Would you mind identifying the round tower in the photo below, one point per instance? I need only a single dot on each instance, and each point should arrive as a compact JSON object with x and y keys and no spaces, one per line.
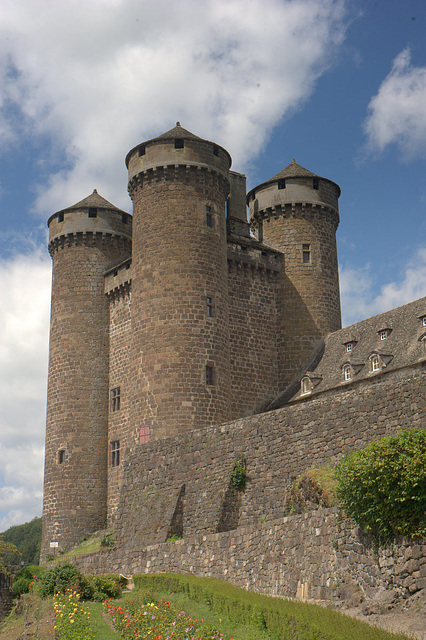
{"x":179,"y":184}
{"x":84,"y":240}
{"x":297,"y":212}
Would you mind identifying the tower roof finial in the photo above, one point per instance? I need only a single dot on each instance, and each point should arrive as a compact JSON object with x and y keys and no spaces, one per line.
{"x":178,"y":123}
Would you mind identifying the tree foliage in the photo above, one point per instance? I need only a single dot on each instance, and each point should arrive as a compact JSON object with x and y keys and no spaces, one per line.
{"x":7,"y":550}
{"x":27,"y":538}
{"x":383,"y":487}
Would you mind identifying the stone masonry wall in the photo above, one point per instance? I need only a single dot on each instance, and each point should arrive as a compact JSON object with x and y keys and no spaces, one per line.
{"x":118,"y":419}
{"x":277,"y":447}
{"x":254,"y":322}
{"x":316,"y":555}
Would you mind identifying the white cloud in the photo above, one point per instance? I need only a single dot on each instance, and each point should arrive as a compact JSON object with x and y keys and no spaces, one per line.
{"x":397,"y":114}
{"x":96,"y":77}
{"x":24,"y":328}
{"x":18,"y":505}
{"x":357,"y":285}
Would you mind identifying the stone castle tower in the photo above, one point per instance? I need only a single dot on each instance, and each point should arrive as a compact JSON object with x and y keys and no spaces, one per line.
{"x":83,"y":241}
{"x":176,"y":318}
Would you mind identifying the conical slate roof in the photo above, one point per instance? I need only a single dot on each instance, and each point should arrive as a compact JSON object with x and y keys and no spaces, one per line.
{"x":94,"y":200}
{"x":294,"y":170}
{"x":177,"y":132}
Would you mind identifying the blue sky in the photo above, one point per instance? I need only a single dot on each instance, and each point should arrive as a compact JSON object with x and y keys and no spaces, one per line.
{"x":338,"y":85}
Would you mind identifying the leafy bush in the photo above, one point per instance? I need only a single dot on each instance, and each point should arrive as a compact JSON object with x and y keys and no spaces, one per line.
{"x":63,"y":577}
{"x":104,"y":587}
{"x":21,"y":585}
{"x":383,"y":487}
{"x":239,"y":473}
{"x":25,"y":576}
{"x":107,"y":540}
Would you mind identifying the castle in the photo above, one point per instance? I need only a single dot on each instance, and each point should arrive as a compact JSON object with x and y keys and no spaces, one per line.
{"x":184,"y":336}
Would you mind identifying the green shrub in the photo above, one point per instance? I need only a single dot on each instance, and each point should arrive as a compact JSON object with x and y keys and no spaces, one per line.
{"x":239,"y":473}
{"x":107,"y":540}
{"x":383,"y":487}
{"x":105,"y":587}
{"x":63,"y":577}
{"x":21,"y":585}
{"x":25,"y":576}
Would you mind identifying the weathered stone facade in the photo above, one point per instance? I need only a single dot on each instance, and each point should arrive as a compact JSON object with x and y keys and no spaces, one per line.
{"x":165,"y":352}
{"x":317,"y":555}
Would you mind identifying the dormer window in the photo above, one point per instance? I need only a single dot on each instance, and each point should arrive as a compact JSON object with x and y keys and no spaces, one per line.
{"x":305,"y":386}
{"x":375,"y":363}
{"x":384,"y":334}
{"x":347,"y":372}
{"x":423,"y":321}
{"x":349,"y":346}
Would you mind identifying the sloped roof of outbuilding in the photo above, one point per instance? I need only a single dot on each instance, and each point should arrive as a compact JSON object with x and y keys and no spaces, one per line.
{"x":402,"y":347}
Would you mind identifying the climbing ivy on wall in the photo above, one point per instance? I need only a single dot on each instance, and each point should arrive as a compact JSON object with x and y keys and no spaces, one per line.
{"x":383,"y":487}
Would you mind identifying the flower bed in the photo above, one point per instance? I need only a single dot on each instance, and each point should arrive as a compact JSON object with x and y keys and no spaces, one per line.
{"x":157,"y":621}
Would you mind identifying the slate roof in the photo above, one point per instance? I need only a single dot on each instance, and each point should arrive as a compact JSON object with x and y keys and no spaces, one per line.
{"x":294,"y":170}
{"x":403,"y":346}
{"x":94,"y":200}
{"x":176,"y":132}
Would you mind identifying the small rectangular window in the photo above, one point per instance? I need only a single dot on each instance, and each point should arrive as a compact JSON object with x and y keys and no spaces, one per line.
{"x":349,"y":347}
{"x":209,"y":375}
{"x":209,"y":216}
{"x":306,"y":253}
{"x":93,"y":212}
{"x":124,"y":218}
{"x":115,"y":399}
{"x":215,"y":150}
{"x":61,"y":456}
{"x":115,"y":453}
{"x":281,"y":184}
{"x":179,"y":143}
{"x":423,"y":321}
{"x":315,"y":184}
{"x":144,"y":433}
{"x":383,"y":335}
{"x":61,"y":216}
{"x":209,"y":305}
{"x":142,"y":150}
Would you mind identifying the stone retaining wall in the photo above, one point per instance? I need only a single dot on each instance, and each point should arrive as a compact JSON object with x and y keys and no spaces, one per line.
{"x":317,"y":555}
